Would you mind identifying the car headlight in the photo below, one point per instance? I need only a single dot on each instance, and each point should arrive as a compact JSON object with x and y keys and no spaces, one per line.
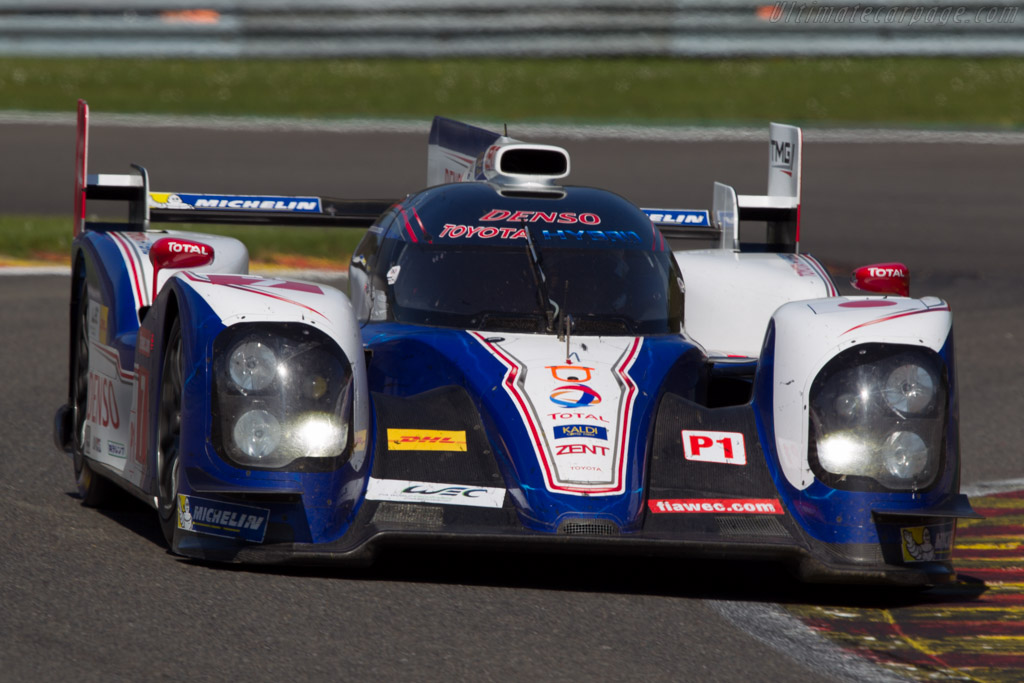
{"x":878,"y":416}
{"x":252,"y":366}
{"x":282,"y":397}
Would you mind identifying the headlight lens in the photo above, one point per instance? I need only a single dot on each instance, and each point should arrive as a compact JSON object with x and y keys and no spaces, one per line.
{"x":253,"y":366}
{"x":905,"y":456}
{"x":909,"y":389}
{"x":878,"y":418}
{"x":257,"y":434}
{"x":282,"y":397}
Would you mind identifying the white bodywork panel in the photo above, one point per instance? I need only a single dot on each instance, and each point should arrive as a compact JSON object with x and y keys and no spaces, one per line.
{"x":580,"y":436}
{"x":731,"y":296}
{"x":229,"y":256}
{"x":316,"y":305}
{"x":810,"y":333}
{"x":109,"y":421}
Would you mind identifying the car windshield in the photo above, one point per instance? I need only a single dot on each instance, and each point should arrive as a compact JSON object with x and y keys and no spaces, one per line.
{"x":607,"y":291}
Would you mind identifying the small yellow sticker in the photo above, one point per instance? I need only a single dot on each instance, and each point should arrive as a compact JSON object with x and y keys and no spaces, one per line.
{"x":103,"y":324}
{"x":425,"y":440}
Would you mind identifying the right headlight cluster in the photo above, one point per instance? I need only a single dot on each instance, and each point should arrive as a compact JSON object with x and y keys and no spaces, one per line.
{"x":282,"y":397}
{"x":878,"y":417}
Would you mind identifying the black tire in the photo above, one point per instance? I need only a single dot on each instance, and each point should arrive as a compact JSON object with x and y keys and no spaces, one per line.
{"x":169,"y":433}
{"x":93,"y":489}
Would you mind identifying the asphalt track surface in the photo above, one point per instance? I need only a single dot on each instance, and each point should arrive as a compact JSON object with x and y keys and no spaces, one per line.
{"x":93,"y":595}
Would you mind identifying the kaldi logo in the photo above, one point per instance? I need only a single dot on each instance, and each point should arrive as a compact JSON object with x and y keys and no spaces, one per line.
{"x":173,"y":252}
{"x":727,"y":506}
{"x":720,"y":447}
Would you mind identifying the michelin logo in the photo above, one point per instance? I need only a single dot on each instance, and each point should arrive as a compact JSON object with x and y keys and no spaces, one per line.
{"x":168,"y":201}
{"x":696,"y":218}
{"x":217,"y":518}
{"x":234,"y":202}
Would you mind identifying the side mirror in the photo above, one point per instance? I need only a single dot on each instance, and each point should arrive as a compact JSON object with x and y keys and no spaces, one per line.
{"x":883,"y":278}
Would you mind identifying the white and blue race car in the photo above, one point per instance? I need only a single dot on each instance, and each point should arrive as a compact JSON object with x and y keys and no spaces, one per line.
{"x":518,"y":363}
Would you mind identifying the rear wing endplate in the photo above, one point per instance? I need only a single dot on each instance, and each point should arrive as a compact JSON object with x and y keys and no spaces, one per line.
{"x":779,"y":209}
{"x":146,"y":206}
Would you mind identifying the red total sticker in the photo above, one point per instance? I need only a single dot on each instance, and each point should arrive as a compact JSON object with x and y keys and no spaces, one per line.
{"x":867,"y":303}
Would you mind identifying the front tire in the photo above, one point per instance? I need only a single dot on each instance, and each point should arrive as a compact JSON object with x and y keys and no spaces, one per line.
{"x":93,"y":489}
{"x":169,"y":433}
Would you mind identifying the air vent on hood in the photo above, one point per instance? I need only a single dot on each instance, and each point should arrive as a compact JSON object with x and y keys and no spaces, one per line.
{"x":588,"y":527}
{"x":551,"y":162}
{"x":515,"y":166}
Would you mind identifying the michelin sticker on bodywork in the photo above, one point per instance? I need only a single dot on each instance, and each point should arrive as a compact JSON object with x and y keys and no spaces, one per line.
{"x":233,"y":202}
{"x":217,"y":518}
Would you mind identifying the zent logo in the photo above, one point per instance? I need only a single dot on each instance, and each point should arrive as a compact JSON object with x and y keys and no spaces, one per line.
{"x":580,"y":449}
{"x":719,"y":447}
{"x":575,"y":396}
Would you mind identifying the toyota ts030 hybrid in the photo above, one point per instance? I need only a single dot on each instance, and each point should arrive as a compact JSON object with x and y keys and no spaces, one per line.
{"x":518,"y":363}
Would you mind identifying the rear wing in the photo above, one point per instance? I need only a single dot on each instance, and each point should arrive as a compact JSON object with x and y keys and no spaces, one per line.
{"x":780,"y":208}
{"x":146,"y":206}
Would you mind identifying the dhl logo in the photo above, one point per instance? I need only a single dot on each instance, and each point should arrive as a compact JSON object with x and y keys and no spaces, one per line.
{"x":426,"y":440}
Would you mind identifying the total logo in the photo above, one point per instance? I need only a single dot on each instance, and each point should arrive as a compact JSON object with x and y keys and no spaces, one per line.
{"x":875,"y":271}
{"x":176,"y":247}
{"x":575,"y":396}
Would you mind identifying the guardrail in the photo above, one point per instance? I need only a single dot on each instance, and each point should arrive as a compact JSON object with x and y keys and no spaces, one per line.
{"x":527,"y":28}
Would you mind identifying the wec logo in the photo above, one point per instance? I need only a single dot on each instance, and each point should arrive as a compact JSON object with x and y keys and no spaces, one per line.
{"x":429,"y":492}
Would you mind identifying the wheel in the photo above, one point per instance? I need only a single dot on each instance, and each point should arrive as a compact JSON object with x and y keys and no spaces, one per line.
{"x":94,"y":490}
{"x":169,"y":433}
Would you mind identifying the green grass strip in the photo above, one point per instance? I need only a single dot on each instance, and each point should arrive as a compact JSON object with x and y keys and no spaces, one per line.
{"x":49,"y":238}
{"x":934,"y":92}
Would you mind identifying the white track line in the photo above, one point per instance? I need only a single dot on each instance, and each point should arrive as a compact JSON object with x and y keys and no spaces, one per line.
{"x":522,"y":130}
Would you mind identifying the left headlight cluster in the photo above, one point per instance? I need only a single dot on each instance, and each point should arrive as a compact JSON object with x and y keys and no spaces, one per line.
{"x":878,"y":416}
{"x":282,"y":397}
